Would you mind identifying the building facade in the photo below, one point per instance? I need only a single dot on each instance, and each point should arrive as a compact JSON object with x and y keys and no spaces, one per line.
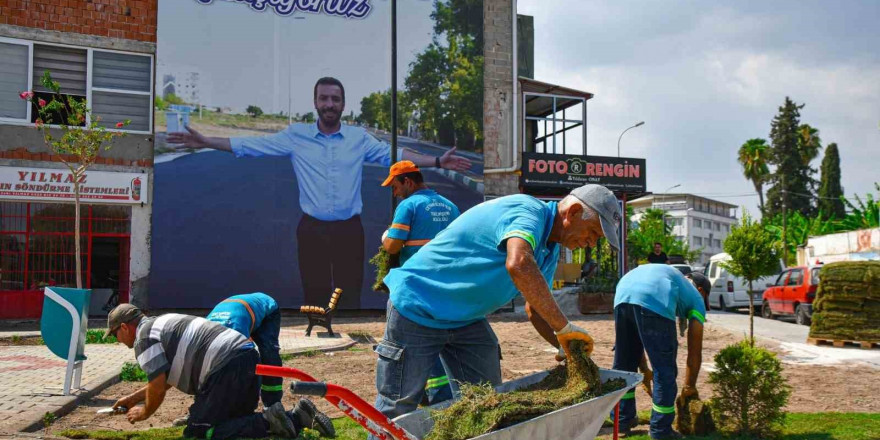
{"x":104,"y":53}
{"x":704,"y":223}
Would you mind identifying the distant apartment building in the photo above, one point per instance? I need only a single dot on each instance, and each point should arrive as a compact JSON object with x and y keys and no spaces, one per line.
{"x":703,"y":222}
{"x":188,"y":84}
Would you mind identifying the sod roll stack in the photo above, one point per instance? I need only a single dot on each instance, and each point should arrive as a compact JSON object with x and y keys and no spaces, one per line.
{"x":847,"y":304}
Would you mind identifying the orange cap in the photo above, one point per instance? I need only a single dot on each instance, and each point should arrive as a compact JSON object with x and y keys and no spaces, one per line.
{"x":402,"y":167}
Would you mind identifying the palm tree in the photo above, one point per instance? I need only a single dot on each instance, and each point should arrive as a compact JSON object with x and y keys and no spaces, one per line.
{"x":753,"y":156}
{"x":809,"y":143}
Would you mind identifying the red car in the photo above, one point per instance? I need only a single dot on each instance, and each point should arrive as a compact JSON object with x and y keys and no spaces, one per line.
{"x":792,"y":294}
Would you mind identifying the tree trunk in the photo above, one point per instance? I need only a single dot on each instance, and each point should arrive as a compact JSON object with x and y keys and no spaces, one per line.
{"x":76,"y":228}
{"x":751,"y":316}
{"x":760,"y":188}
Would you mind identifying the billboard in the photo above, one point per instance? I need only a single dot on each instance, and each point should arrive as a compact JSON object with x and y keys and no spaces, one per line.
{"x":289,"y":104}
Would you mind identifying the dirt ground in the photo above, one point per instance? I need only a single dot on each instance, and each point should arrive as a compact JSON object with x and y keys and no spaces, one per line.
{"x":815,"y":388}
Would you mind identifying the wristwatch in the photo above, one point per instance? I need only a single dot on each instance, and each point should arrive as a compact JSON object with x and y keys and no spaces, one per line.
{"x":437,"y":162}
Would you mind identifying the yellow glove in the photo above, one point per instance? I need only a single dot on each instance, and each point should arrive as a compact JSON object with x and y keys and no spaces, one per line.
{"x":570,"y":333}
{"x":646,"y":382}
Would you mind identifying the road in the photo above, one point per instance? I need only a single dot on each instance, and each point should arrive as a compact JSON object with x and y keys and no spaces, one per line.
{"x":223,"y":225}
{"x":792,"y":339}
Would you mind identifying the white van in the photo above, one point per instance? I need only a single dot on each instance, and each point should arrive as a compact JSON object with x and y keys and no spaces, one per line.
{"x":730,"y":292}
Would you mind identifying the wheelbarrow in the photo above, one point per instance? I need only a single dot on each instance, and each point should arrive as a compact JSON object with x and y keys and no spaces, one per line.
{"x":580,"y":421}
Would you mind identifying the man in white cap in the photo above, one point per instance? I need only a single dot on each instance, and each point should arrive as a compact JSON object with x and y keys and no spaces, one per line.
{"x":496,"y":250}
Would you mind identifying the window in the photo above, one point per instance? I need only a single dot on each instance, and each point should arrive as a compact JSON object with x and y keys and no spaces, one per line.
{"x":698,"y":223}
{"x":781,"y":280}
{"x":814,"y":276}
{"x":713,"y":270}
{"x":718,"y":227}
{"x":14,"y":79}
{"x":727,"y":228}
{"x":698,"y":241}
{"x":707,"y":224}
{"x":797,"y":278}
{"x":717,"y":243}
{"x":117,"y":85}
{"x":554,"y":124}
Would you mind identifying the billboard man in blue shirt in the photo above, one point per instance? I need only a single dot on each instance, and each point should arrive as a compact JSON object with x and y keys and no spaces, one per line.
{"x":418,"y":218}
{"x":647,"y":303}
{"x":328,"y":159}
{"x":496,"y":250}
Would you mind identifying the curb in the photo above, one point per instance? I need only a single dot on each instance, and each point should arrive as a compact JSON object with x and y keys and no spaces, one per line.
{"x":344,"y":344}
{"x":72,"y":402}
{"x":462,"y":179}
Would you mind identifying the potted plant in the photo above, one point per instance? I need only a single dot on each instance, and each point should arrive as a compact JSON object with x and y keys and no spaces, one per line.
{"x":596,"y":295}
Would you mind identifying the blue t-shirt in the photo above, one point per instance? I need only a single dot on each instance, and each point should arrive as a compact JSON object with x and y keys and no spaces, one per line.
{"x":234,"y":314}
{"x":661,"y":289}
{"x":418,"y":218}
{"x":459,"y":277}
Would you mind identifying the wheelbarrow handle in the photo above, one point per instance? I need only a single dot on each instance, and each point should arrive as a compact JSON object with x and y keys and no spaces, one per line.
{"x":317,"y":389}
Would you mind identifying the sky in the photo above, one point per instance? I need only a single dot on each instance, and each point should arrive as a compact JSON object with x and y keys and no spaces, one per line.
{"x":234,"y":49}
{"x":707,"y":76}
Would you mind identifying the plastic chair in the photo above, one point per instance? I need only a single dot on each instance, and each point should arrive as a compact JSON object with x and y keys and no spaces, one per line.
{"x":63,"y":326}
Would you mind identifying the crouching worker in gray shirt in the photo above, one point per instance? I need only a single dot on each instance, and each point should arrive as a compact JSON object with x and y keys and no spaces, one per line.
{"x":211,"y":362}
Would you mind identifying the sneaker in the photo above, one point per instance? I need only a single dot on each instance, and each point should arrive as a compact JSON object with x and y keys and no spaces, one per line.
{"x":279,"y":423}
{"x":182,"y":421}
{"x":308,"y":416}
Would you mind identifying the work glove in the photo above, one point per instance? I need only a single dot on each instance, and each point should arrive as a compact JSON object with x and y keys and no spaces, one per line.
{"x":571,"y":333}
{"x":646,"y":382}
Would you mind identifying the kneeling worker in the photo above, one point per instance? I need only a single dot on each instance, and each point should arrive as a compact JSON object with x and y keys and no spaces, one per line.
{"x":214,"y":363}
{"x":648,"y":300}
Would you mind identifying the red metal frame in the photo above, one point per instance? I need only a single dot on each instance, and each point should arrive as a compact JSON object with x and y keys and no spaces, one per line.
{"x":350,"y":403}
{"x":27,"y":301}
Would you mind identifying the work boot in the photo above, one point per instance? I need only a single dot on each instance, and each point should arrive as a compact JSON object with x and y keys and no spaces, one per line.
{"x":279,"y":423}
{"x":626,"y":427}
{"x":673,"y":435}
{"x":181,"y":421}
{"x":306,"y":415}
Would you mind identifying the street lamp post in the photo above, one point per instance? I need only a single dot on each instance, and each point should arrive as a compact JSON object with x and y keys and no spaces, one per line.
{"x":639,"y":124}
{"x":663,"y":216}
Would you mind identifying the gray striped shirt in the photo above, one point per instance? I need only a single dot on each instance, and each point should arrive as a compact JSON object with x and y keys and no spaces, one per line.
{"x":187,"y":348}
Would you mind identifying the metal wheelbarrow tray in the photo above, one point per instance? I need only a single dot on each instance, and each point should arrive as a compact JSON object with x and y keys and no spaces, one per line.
{"x":577,"y":422}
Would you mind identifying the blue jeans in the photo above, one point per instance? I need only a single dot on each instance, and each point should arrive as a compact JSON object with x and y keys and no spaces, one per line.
{"x":637,"y":329}
{"x":438,"y":388}
{"x":266,"y":338}
{"x":408,"y":351}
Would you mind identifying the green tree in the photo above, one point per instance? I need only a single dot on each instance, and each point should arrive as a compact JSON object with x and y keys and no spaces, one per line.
{"x":254,"y":111}
{"x":864,"y":214}
{"x":830,"y":190}
{"x":160,"y":103}
{"x":792,"y":178}
{"x":83,"y":135}
{"x":309,"y":117}
{"x":754,"y":156}
{"x":754,"y":253}
{"x":652,"y":229}
{"x":172,"y":99}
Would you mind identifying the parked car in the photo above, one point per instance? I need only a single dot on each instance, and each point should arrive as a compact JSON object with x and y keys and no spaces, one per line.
{"x":683,"y":268}
{"x":730,"y":292}
{"x":792,"y":293}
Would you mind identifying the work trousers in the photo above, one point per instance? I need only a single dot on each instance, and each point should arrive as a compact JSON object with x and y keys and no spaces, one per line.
{"x":224,"y":405}
{"x":266,"y":337}
{"x":638,"y":329}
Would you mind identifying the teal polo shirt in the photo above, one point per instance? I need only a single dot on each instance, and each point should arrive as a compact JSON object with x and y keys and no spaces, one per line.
{"x":459,"y":277}
{"x":663,"y":290}
{"x":419,"y":218}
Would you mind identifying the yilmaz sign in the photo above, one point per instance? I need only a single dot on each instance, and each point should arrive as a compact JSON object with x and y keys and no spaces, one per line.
{"x":568,"y":171}
{"x":285,"y":8}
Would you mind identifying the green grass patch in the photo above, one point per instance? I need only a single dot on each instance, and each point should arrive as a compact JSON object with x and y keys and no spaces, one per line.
{"x":360,"y":334}
{"x":97,"y":337}
{"x":346,"y":429}
{"x":799,"y":426}
{"x":304,"y":354}
{"x":131,"y":372}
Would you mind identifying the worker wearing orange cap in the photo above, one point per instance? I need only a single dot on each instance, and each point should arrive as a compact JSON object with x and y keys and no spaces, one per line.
{"x":419,"y":217}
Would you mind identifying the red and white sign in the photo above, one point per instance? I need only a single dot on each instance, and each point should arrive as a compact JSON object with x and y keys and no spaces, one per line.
{"x":56,"y":184}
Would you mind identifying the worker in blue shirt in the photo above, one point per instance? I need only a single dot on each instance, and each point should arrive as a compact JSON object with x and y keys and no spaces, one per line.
{"x":256,"y":316}
{"x":440,"y":297}
{"x":328,"y":160}
{"x":419,"y":217}
{"x":647,"y":303}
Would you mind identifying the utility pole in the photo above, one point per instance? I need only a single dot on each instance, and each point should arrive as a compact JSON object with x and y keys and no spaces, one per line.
{"x":393,"y":92}
{"x":784,"y":223}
